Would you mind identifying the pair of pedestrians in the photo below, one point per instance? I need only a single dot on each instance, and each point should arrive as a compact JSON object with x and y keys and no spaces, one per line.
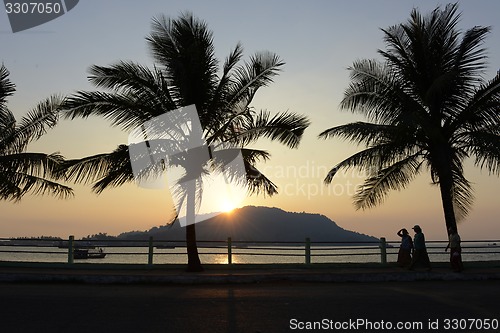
{"x":414,"y":252}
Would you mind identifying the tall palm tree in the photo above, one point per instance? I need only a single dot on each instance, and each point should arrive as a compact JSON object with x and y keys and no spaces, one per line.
{"x":186,"y":72}
{"x":428,"y":107}
{"x":24,"y":172}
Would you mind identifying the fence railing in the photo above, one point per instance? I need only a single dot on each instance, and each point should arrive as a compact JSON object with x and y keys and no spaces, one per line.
{"x":230,"y":251}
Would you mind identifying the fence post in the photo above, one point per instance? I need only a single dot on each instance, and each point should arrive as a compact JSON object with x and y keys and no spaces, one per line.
{"x":308,"y":251}
{"x":71,"y":249}
{"x":229,"y":251}
{"x":383,"y":251}
{"x":150,"y":252}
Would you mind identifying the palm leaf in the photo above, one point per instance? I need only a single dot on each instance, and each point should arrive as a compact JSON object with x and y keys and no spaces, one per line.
{"x":28,"y":172}
{"x":258,"y":183}
{"x":253,"y":156}
{"x":184,"y":47}
{"x":463,"y":195}
{"x":24,"y":183}
{"x":481,"y":111}
{"x":286,"y":128}
{"x":361,"y":132}
{"x":375,"y":158}
{"x":7,"y":88}
{"x":7,"y":131}
{"x":36,"y":123}
{"x":248,"y":78}
{"x":131,"y":79}
{"x":222,"y":90}
{"x":108,"y":169}
{"x":122,"y":110}
{"x":485,"y":147}
{"x":22,"y":172}
{"x":394,"y":177}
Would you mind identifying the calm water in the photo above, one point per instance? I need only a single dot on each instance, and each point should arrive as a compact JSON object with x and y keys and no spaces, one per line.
{"x":253,"y":254}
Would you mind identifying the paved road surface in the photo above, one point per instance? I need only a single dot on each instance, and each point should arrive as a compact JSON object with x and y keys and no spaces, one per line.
{"x":266,"y":307}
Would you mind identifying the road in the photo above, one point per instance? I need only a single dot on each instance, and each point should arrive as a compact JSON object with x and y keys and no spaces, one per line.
{"x":266,"y":307}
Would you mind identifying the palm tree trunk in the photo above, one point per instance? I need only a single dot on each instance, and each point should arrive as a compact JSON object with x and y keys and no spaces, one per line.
{"x":446,"y":188}
{"x":194,"y":263}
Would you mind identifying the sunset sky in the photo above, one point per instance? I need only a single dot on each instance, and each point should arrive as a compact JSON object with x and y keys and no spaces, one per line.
{"x":318,"y":40}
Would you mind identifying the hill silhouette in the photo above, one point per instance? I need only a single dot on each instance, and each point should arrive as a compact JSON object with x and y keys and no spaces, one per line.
{"x":252,"y":223}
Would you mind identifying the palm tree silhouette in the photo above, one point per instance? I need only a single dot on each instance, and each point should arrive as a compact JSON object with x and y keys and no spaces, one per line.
{"x":186,"y":73}
{"x":24,"y":172}
{"x":428,"y":107}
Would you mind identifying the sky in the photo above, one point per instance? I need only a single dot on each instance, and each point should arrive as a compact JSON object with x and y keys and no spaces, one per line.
{"x":318,"y":40}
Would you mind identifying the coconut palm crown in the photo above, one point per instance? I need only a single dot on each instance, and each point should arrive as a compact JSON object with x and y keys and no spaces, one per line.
{"x":23,"y":172}
{"x":186,"y":72}
{"x":428,"y":108}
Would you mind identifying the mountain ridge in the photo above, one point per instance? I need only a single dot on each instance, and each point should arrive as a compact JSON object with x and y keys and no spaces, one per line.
{"x":259,"y":223}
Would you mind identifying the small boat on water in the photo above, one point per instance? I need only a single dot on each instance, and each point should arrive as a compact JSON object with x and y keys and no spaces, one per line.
{"x":88,"y":254}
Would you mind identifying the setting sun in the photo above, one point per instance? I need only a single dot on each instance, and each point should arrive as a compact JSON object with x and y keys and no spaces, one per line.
{"x":227,"y":206}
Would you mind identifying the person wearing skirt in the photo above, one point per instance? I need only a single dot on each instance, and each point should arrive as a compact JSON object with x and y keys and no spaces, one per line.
{"x":455,"y":250}
{"x":405,"y":249}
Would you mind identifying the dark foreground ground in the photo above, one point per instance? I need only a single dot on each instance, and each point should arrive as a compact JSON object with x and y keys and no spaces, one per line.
{"x":273,"y":307}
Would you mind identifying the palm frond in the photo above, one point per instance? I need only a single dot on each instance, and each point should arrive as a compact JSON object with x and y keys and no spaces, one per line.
{"x":103,"y":169}
{"x":286,"y":128}
{"x":7,"y":88}
{"x":248,"y":78}
{"x":253,"y":156}
{"x":471,"y":56}
{"x":24,"y":173}
{"x":227,"y":126}
{"x":485,"y":147}
{"x":375,"y":158}
{"x":9,"y":190}
{"x":36,"y":123}
{"x":226,"y":79}
{"x":258,"y":183}
{"x":377,"y":93}
{"x":184,"y":47}
{"x":361,"y":132}
{"x":118,"y":175}
{"x":481,"y":111}
{"x":7,"y":131}
{"x":131,"y":79}
{"x":394,"y":177}
{"x":122,"y":110}
{"x":22,"y":184}
{"x":462,"y":194}
{"x":38,"y":164}
{"x":219,"y":108}
{"x":7,"y":119}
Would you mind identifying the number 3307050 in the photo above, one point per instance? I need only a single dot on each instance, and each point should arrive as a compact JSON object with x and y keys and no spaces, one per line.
{"x":471,"y":324}
{"x":33,"y":8}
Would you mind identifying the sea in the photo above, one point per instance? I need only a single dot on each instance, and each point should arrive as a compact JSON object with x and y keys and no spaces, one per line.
{"x":251,"y":254}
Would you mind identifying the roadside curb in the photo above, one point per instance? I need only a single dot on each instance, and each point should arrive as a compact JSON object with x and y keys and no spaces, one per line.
{"x":228,"y":278}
